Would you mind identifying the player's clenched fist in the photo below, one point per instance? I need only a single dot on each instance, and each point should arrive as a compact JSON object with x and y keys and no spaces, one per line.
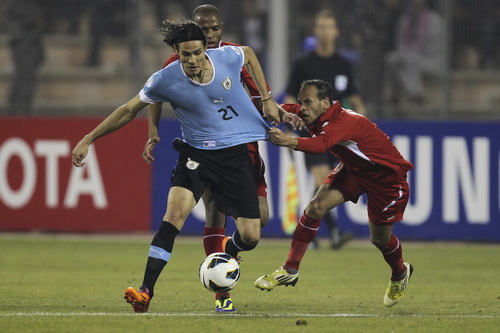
{"x":277,"y":137}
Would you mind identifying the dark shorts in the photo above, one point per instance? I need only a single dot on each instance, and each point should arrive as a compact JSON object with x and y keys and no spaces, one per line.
{"x":387,"y":195}
{"x":320,"y":159}
{"x":227,"y":171}
{"x":317,"y":159}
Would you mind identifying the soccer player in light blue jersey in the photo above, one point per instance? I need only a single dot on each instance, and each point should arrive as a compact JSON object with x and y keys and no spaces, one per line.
{"x":217,"y":119}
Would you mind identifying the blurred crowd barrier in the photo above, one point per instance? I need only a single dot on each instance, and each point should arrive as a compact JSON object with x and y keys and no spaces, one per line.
{"x":86,"y":57}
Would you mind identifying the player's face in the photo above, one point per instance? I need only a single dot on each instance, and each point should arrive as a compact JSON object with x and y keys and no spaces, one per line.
{"x":192,"y":57}
{"x":212,"y":27}
{"x":326,"y":30}
{"x":311,"y":108}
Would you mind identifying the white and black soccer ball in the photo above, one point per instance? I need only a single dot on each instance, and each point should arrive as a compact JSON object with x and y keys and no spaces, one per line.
{"x":219,"y":272}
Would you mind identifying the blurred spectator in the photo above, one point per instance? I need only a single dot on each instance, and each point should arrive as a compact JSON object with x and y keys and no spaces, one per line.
{"x":326,"y":63}
{"x":24,"y":25}
{"x":377,"y":20}
{"x":476,"y":26}
{"x":420,"y":50}
{"x":63,"y":16}
{"x":107,"y":17}
{"x":254,"y":30}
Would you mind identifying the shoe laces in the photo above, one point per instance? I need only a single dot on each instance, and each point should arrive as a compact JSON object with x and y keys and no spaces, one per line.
{"x":144,"y":290}
{"x":395,"y":289}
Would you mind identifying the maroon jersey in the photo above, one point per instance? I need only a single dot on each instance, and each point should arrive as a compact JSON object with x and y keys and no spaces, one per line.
{"x":354,"y":139}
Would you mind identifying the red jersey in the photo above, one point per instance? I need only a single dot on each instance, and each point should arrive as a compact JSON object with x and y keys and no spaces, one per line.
{"x":354,"y":139}
{"x":246,"y":79}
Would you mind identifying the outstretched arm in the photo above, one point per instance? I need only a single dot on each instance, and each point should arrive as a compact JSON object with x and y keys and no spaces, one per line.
{"x":120,"y":117}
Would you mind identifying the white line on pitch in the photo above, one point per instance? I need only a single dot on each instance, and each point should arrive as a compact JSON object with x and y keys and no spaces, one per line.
{"x":58,"y":314}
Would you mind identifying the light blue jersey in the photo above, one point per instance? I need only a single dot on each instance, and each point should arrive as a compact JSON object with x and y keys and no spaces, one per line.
{"x":213,"y":115}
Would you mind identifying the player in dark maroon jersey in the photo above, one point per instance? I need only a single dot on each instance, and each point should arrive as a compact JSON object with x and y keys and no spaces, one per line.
{"x":370,"y":164}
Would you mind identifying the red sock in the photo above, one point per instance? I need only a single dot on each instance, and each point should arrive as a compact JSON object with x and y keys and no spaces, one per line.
{"x":212,"y":240}
{"x":305,"y":232}
{"x":393,"y":255}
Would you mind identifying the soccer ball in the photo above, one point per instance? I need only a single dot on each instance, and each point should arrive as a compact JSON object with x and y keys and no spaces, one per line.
{"x":219,"y":272}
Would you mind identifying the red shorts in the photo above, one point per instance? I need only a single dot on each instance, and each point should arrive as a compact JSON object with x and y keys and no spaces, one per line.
{"x":259,"y":168}
{"x":387,"y":195}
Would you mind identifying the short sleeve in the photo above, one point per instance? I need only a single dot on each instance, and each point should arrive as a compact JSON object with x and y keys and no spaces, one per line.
{"x":149,"y":93}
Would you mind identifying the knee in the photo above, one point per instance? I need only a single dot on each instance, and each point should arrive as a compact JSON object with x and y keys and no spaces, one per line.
{"x":175,"y":215}
{"x":250,"y":236}
{"x":379,"y":241}
{"x":250,"y":240}
{"x":314,"y":210}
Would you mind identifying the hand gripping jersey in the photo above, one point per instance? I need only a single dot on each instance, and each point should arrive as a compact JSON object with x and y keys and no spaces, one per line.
{"x":354,"y":139}
{"x":213,"y":115}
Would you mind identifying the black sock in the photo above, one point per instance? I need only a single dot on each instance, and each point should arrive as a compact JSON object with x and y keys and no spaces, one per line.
{"x":235,"y":245}
{"x":159,"y":254}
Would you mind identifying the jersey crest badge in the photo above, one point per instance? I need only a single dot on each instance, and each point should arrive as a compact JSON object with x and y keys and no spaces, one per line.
{"x":227,"y":83}
{"x":192,"y":165}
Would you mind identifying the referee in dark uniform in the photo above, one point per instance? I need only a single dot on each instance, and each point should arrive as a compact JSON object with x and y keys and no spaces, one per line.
{"x":325,"y":63}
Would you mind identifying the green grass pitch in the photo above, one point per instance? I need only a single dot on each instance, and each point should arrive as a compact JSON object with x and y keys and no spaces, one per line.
{"x":75,"y":283}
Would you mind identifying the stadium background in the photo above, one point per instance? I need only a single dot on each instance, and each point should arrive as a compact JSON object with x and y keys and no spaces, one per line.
{"x":99,"y":53}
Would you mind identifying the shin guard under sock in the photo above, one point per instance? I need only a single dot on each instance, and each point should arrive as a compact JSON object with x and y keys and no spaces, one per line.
{"x":306,"y":230}
{"x":393,"y":255}
{"x":212,"y":239}
{"x":159,"y":254}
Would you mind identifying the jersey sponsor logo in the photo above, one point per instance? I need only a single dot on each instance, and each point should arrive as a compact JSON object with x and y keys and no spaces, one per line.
{"x":208,"y":144}
{"x":192,"y":165}
{"x":227,"y":83}
{"x":218,"y":100}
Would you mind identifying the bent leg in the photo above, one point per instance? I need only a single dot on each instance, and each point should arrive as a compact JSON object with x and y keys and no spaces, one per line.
{"x":264,"y":211}
{"x":389,"y":245}
{"x":179,"y":204}
{"x":323,"y":201}
{"x":213,"y":233}
{"x":245,"y":238}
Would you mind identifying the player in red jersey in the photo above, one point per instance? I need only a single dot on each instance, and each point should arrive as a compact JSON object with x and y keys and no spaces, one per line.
{"x":370,"y":164}
{"x":210,"y":20}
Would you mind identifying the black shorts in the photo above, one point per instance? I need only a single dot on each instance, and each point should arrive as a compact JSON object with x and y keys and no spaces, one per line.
{"x":319,"y":159}
{"x":227,"y":171}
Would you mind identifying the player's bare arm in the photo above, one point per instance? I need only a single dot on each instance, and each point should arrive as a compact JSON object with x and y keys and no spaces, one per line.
{"x":277,"y":137}
{"x":120,"y":117}
{"x":154,"y":114}
{"x":269,"y":108}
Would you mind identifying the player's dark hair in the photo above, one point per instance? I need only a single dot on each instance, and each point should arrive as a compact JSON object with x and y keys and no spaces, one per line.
{"x":175,"y":33}
{"x":324,"y":88}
